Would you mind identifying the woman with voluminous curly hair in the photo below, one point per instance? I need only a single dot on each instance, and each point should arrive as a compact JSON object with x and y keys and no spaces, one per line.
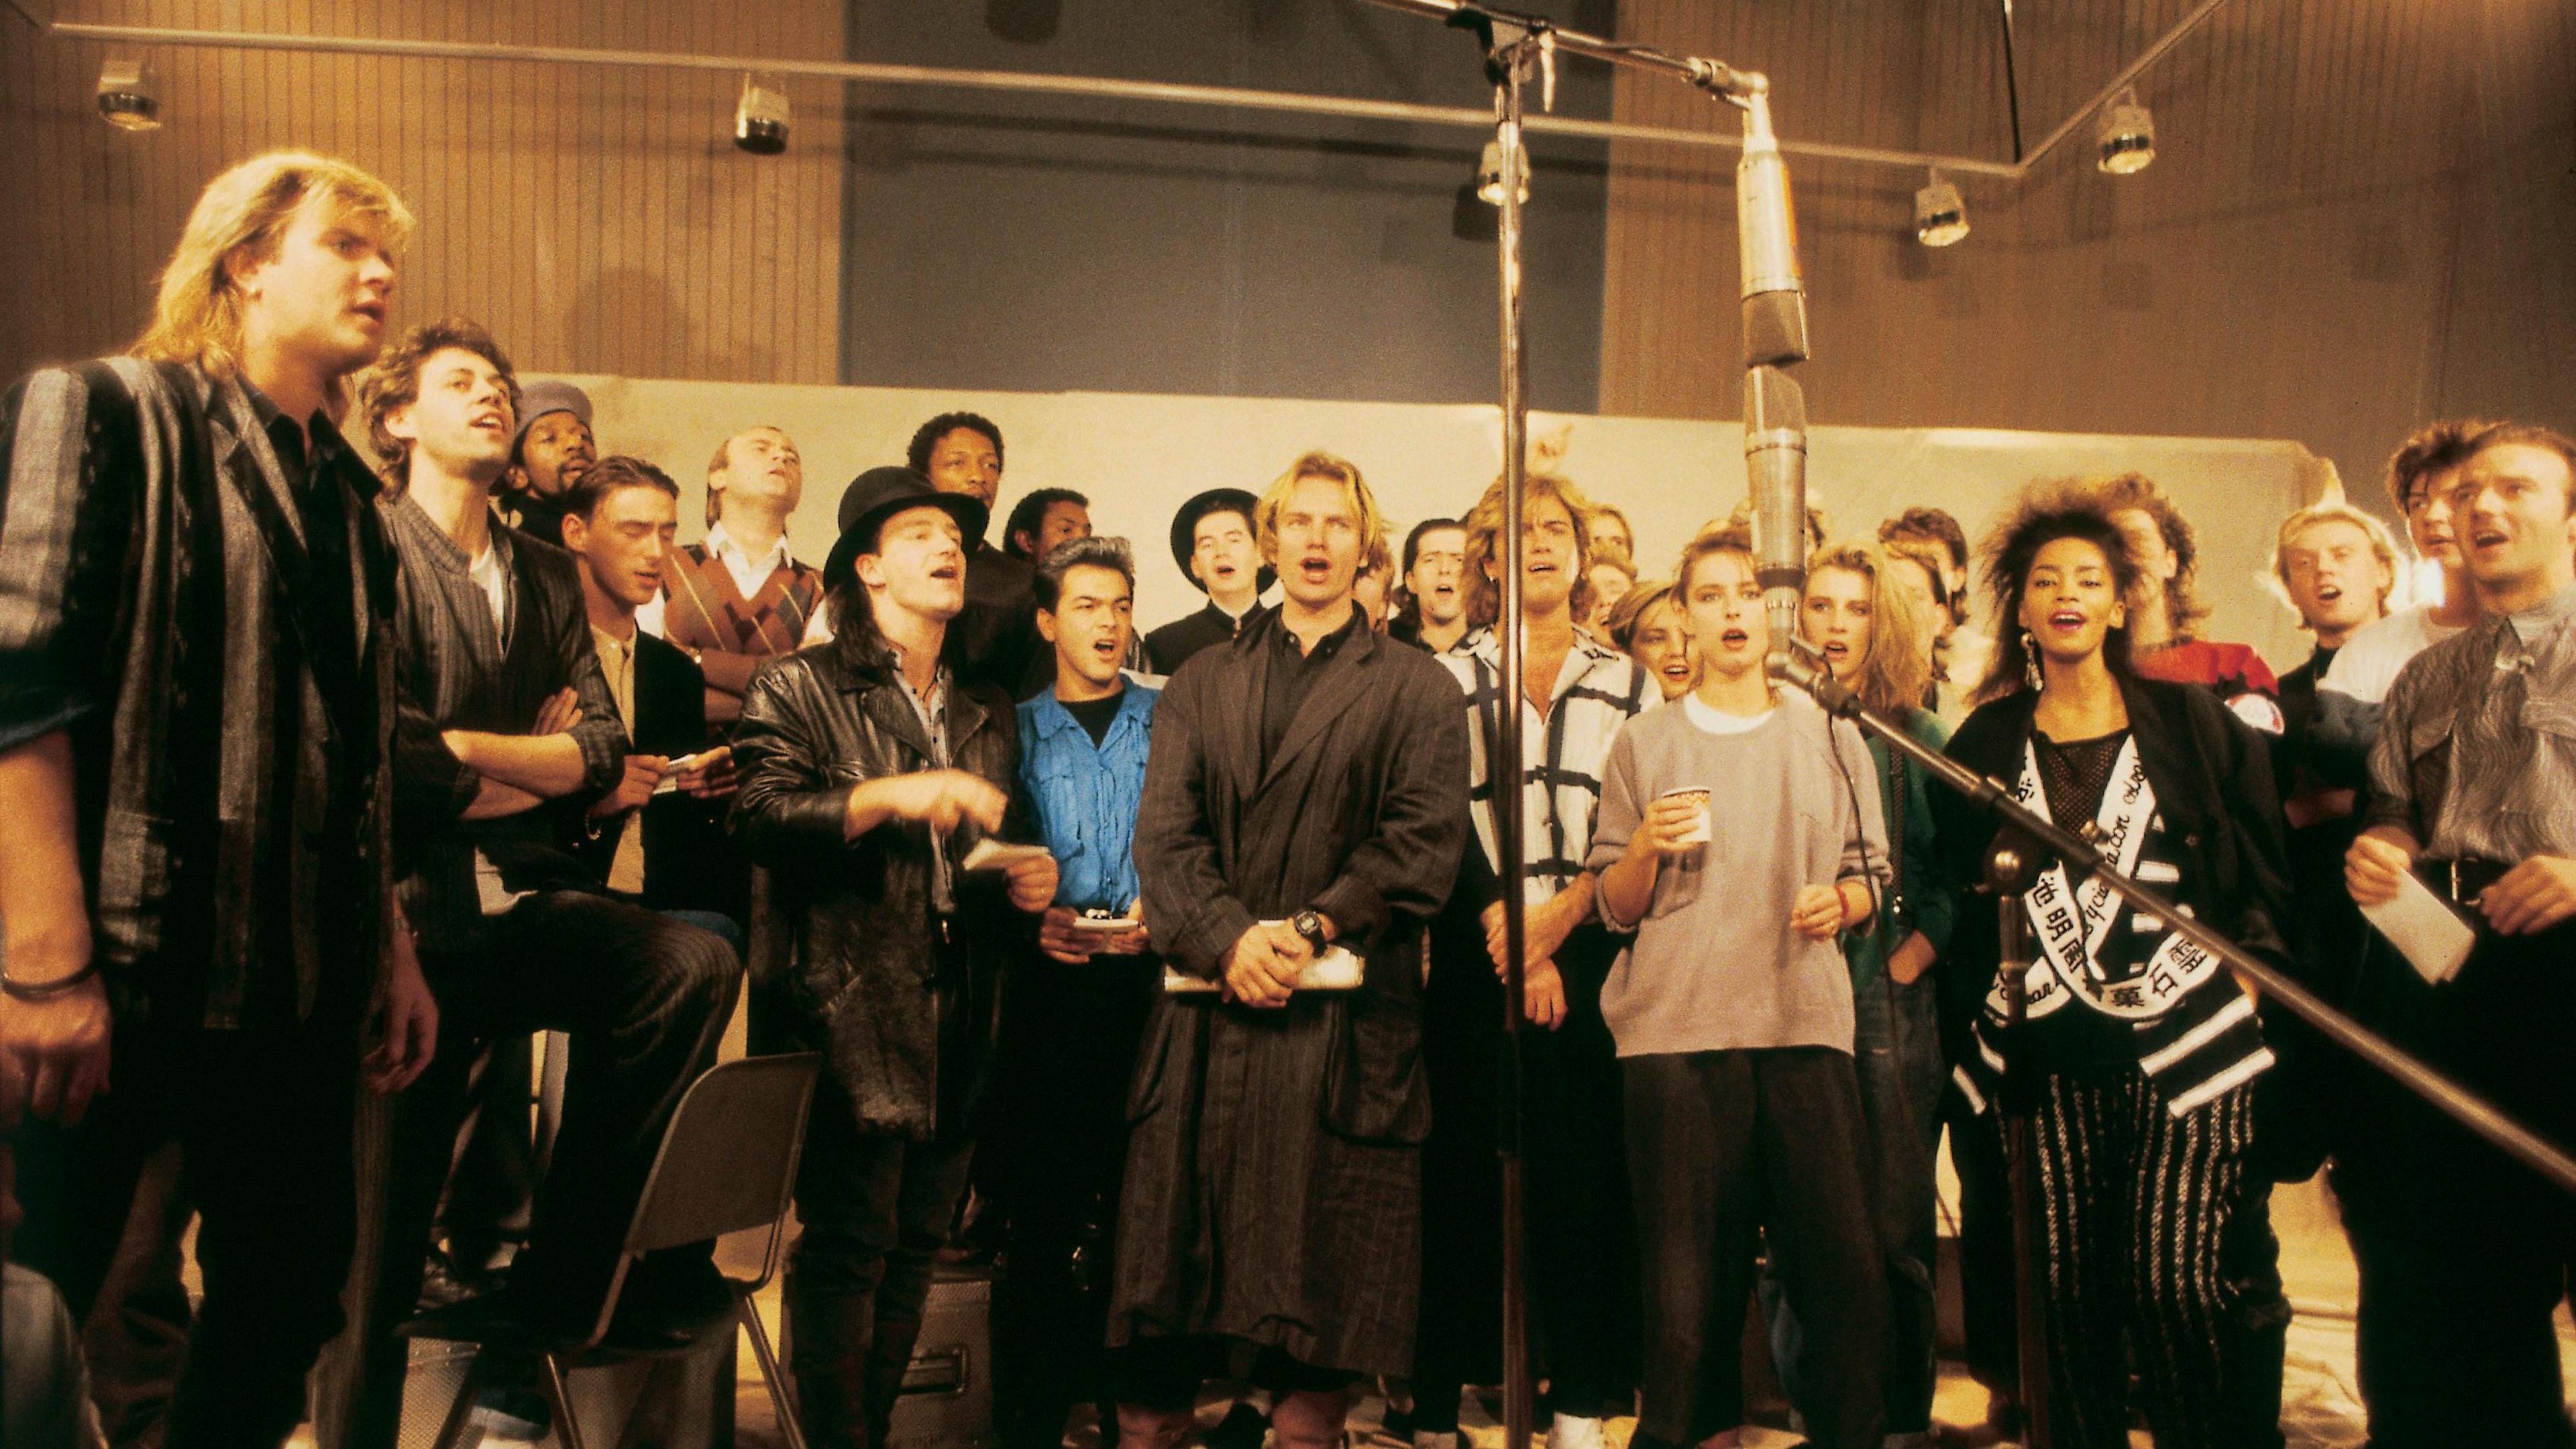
{"x":2139,"y":1050}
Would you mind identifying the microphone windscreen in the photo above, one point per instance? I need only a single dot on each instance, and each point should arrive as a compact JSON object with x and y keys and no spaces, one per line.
{"x":1772,"y":400}
{"x":1775,"y":328}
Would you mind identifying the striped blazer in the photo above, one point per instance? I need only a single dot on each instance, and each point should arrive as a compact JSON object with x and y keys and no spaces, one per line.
{"x":156,"y":592}
{"x":1597,"y":691}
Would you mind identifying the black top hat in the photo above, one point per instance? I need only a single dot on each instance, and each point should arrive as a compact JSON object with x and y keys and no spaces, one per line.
{"x":1185,"y":528}
{"x":879,"y":494}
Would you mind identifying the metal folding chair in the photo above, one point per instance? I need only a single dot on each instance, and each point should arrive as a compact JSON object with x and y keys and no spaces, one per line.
{"x":727,"y":1164}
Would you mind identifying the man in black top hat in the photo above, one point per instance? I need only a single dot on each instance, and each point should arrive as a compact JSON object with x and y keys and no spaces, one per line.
{"x":870,"y":770}
{"x":1213,"y":541}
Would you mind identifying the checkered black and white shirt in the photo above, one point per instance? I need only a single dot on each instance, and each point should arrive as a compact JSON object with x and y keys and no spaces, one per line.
{"x":1597,"y":690}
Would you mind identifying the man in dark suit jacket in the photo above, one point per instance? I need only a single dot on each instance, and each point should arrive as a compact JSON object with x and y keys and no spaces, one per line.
{"x":1306,"y":790}
{"x":649,"y":841}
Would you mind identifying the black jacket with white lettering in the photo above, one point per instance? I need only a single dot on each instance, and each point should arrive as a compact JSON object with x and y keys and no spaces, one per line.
{"x":2218,"y":838}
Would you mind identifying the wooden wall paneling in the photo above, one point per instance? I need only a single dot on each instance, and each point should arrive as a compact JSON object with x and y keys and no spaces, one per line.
{"x":595,"y":220}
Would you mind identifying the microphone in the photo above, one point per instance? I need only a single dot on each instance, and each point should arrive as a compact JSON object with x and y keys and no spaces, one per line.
{"x":1775,"y":470}
{"x":1775,"y":300}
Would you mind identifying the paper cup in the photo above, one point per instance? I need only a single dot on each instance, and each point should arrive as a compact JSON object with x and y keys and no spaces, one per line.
{"x":1698,"y":797}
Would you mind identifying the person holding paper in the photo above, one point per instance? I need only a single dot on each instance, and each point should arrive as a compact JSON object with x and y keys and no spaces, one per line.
{"x":2473,"y":789}
{"x":652,"y":839}
{"x":868,"y":774}
{"x":1307,"y":788}
{"x":1073,"y":1009}
{"x":2140,"y":1051}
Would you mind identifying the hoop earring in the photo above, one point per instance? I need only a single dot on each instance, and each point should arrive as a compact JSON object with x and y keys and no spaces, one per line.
{"x":2030,"y":669}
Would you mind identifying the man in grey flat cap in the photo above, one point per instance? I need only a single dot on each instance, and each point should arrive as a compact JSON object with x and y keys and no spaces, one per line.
{"x":551,"y":452}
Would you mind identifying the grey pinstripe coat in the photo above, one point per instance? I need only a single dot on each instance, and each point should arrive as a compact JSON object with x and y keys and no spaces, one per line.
{"x":152,"y":554}
{"x":1274,"y":1172}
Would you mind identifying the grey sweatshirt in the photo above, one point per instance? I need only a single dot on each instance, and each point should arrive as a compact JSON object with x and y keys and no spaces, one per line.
{"x":1715,"y":965}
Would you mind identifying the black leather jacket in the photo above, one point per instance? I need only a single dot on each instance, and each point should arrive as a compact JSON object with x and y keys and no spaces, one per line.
{"x":863,"y":968}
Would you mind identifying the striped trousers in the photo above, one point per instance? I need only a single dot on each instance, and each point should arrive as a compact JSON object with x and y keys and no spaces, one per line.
{"x":2137,"y":1202}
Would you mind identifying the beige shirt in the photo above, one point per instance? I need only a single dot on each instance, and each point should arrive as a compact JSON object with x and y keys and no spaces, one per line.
{"x":617,"y":661}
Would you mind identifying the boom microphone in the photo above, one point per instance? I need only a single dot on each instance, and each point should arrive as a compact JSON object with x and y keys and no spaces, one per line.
{"x":1775,"y":472}
{"x":1775,"y":299}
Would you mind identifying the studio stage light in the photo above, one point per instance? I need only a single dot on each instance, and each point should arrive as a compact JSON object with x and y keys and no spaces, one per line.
{"x":1940,"y":213}
{"x":2125,"y":137}
{"x":128,"y":96}
{"x":760,"y":119}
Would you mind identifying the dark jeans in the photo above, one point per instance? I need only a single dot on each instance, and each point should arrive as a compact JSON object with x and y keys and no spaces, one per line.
{"x":645,"y":1000}
{"x":2463,"y":1253}
{"x":492,"y":1187}
{"x":1582,"y":1234}
{"x":1897,"y":1058}
{"x":1986,"y":1301}
{"x":262,"y":1121}
{"x":876,"y":1210}
{"x":1051,"y":1165}
{"x":1724,"y":1146}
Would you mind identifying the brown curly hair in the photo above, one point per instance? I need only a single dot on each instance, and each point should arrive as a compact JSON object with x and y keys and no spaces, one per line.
{"x":393,"y":384}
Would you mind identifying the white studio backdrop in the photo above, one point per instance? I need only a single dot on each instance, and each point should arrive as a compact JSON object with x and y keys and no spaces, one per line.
{"x":1137,"y":457}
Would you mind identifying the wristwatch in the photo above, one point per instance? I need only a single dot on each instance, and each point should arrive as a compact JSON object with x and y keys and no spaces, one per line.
{"x":1308,"y":924}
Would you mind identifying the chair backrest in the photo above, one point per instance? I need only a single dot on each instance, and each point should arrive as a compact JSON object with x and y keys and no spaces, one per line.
{"x":728,"y":1160}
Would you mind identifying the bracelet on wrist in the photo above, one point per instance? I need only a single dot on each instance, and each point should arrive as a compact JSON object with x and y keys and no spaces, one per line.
{"x":47,"y":990}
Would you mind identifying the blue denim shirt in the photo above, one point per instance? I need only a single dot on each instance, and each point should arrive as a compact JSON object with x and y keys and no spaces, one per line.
{"x":1086,"y":796}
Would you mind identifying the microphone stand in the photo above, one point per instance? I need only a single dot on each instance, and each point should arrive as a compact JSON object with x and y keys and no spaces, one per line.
{"x":1514,"y":43}
{"x":2011,"y":869}
{"x":2042,"y":841}
{"x":1509,"y":56}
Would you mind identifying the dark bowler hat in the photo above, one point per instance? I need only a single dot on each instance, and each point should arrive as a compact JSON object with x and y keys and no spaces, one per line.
{"x":1185,"y":528}
{"x":879,"y":494}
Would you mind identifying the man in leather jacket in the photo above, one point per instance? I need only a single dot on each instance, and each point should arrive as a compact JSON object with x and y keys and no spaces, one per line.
{"x":870,"y":773}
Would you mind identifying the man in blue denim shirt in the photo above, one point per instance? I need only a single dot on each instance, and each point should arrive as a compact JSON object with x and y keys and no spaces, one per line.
{"x":1072,"y":1013}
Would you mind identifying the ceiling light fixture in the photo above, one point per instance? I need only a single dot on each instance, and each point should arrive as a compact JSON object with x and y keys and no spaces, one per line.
{"x":2125,"y":137}
{"x":128,"y":96}
{"x":1940,"y":212}
{"x":760,"y":119}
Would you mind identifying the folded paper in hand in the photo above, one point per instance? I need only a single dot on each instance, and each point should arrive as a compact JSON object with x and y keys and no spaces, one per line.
{"x":2424,"y":930}
{"x":1336,"y":970}
{"x":991,"y":854}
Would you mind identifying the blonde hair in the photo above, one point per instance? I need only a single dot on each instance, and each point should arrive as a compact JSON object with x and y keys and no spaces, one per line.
{"x":2383,"y":547}
{"x":196,"y":317}
{"x":1484,"y":524}
{"x":1631,"y":610}
{"x":1265,"y":513}
{"x":1896,"y":669}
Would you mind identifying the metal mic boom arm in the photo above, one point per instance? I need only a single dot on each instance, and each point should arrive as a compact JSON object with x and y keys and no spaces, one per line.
{"x":1990,"y":795}
{"x":1713,"y":76}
